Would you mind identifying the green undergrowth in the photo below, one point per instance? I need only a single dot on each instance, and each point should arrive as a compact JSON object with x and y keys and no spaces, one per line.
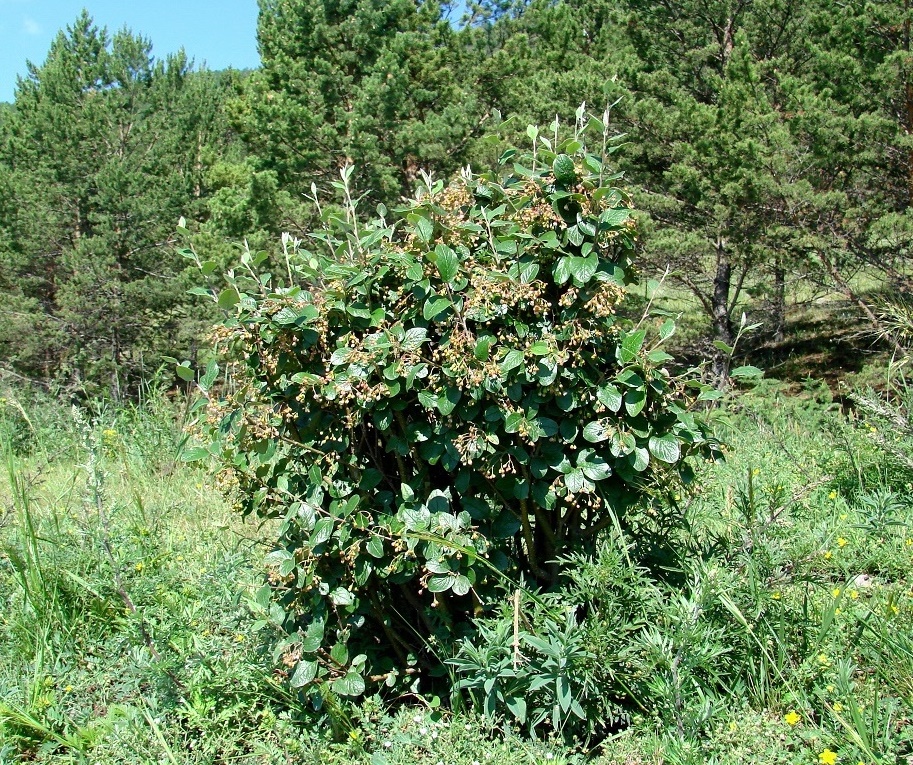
{"x":774,"y":628}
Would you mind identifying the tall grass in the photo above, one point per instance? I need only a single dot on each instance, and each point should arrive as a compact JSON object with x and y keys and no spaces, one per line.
{"x":775,"y":629}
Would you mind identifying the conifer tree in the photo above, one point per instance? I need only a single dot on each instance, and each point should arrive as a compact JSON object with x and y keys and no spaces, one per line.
{"x":356,"y":79}
{"x":104,"y":156}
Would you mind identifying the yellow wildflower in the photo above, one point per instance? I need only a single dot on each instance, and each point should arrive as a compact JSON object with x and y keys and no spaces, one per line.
{"x":838,"y":707}
{"x":836,"y":592}
{"x":842,"y":542}
{"x":823,"y":659}
{"x":854,"y":594}
{"x":827,"y":757}
{"x":832,"y":495}
{"x":792,"y":717}
{"x":775,"y":595}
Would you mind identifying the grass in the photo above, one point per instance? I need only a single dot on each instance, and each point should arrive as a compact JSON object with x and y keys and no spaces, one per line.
{"x":773,"y":627}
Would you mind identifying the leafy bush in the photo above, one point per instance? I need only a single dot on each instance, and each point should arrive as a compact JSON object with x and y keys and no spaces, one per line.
{"x":438,"y":404}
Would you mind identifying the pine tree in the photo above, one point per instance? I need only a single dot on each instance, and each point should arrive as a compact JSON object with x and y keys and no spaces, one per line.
{"x":360,"y":81}
{"x":104,"y":156}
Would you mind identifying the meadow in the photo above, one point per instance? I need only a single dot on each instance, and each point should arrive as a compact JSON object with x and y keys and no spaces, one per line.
{"x":775,"y":625}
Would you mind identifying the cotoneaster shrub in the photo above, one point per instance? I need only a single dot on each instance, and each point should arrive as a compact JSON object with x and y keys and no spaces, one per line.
{"x":439,"y":402}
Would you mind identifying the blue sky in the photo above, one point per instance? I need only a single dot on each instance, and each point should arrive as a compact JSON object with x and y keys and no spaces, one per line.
{"x":220,"y":32}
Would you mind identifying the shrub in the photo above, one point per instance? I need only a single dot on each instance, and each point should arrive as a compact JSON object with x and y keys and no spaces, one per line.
{"x":439,"y":403}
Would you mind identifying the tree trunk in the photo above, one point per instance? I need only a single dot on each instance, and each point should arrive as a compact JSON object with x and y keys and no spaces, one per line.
{"x":722,"y":324}
{"x":908,"y":92}
{"x":778,"y":314}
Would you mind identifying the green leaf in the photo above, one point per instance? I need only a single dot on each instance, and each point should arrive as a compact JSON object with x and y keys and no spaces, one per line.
{"x":228,"y":298}
{"x":659,"y":357}
{"x":305,"y":672}
{"x":610,"y":397}
{"x":511,"y":360}
{"x":665,"y":448}
{"x":415,"y":272}
{"x":340,"y":356}
{"x":583,"y":269}
{"x":323,"y":530}
{"x":513,"y":421}
{"x":212,"y":370}
{"x":434,"y":306}
{"x":562,"y":270}
{"x":440,"y":583}
{"x":375,"y":547}
{"x":342,"y":597}
{"x":667,"y":330}
{"x":575,"y":481}
{"x":563,"y":168}
{"x":594,"y":467}
{"x":596,"y":432}
{"x":574,"y":236}
{"x":447,"y":402}
{"x":414,"y":338}
{"x":185,"y":372}
{"x":461,"y":585}
{"x":516,"y":705}
{"x":195,"y":454}
{"x":564,"y":693}
{"x":635,"y":400}
{"x":614,"y":217}
{"x":505,"y":525}
{"x":482,"y":349}
{"x":340,"y":653}
{"x":747,"y":371}
{"x":630,"y":346}
{"x":313,"y":636}
{"x":424,"y":229}
{"x":448,"y":263}
{"x":586,"y":227}
{"x":352,"y":684}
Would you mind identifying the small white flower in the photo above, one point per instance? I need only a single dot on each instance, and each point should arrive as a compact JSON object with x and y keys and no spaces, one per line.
{"x":388,"y":744}
{"x":423,"y":731}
